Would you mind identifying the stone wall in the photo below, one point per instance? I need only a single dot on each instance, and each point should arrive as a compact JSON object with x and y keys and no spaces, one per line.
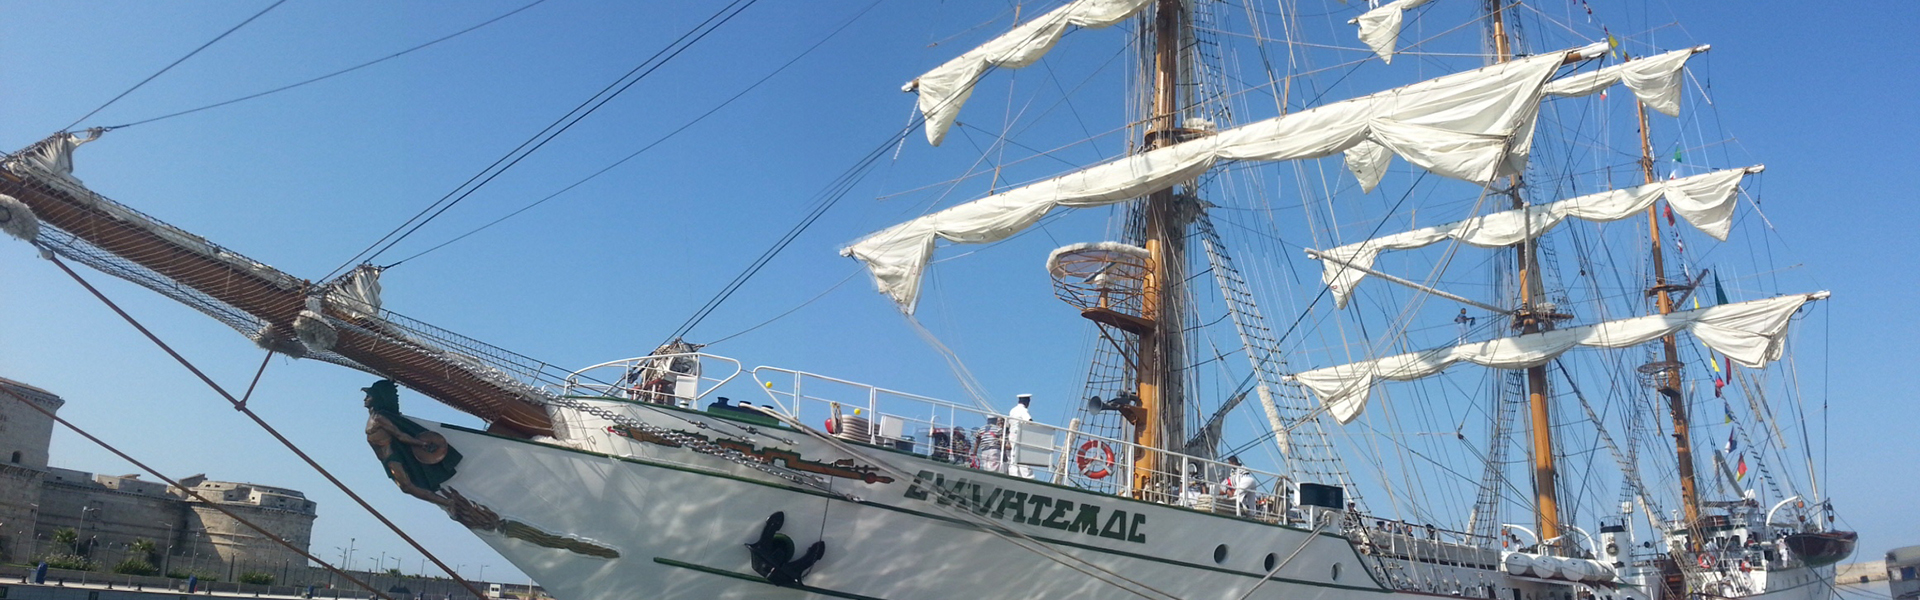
{"x":108,"y":520}
{"x":24,"y":437}
{"x":111,"y":512}
{"x":239,"y":548}
{"x":19,"y":494}
{"x":25,"y":433}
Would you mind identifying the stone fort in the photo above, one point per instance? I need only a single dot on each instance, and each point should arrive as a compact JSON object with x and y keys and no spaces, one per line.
{"x":110,"y":512}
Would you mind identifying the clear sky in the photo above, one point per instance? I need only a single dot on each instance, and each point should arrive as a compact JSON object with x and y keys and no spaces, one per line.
{"x":304,"y":179}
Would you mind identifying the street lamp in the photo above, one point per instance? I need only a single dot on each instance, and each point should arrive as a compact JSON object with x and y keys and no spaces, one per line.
{"x":83,"y":527}
{"x":166,"y":560}
{"x":483,"y":574}
{"x":196,"y":550}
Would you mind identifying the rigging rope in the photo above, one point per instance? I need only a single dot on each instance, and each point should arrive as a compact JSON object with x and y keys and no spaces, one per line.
{"x":173,"y":64}
{"x":541,"y":138}
{"x":242,"y":407}
{"x":829,"y":196}
{"x":810,"y":301}
{"x":656,"y":142}
{"x":333,"y":74}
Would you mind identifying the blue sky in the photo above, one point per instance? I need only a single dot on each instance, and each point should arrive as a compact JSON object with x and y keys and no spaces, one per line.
{"x":304,"y":179}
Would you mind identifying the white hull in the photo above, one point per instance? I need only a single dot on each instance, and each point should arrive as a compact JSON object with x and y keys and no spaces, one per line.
{"x":680,"y":520}
{"x":681,"y":531}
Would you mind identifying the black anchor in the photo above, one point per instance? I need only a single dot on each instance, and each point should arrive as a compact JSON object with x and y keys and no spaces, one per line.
{"x":773,"y":554}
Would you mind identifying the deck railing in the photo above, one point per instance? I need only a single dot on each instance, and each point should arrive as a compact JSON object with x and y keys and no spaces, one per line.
{"x":966,"y":435}
{"x":958,"y":434}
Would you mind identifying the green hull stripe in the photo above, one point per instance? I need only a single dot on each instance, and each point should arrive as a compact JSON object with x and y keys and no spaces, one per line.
{"x":745,"y":577}
{"x":672,"y":467}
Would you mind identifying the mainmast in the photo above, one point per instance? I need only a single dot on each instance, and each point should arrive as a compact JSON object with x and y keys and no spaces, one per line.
{"x":1676,"y":400}
{"x":1532,"y":318}
{"x":1161,"y":400}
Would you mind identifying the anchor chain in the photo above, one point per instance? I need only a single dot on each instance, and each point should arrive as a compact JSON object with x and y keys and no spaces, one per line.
{"x":693,"y":443}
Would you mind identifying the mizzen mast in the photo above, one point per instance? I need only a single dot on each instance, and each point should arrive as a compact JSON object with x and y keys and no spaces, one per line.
{"x":1670,"y":387}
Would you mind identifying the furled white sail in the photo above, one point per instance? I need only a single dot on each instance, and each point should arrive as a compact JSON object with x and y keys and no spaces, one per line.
{"x":1750,"y":333}
{"x":1706,"y":201}
{"x":1655,"y":80}
{"x":1458,"y":126}
{"x":946,"y":87}
{"x":1380,"y":27}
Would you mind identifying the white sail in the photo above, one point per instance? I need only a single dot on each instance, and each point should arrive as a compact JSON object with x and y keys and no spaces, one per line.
{"x":1655,"y":80}
{"x":1380,"y":27}
{"x":1750,"y":333}
{"x":947,"y":86}
{"x":1458,"y":126}
{"x":1706,"y":201}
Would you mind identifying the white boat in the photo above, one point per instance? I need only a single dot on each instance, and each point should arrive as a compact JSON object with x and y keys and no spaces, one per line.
{"x":636,"y":477}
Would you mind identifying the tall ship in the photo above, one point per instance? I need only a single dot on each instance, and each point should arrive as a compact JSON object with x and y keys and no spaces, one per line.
{"x":1471,"y":334}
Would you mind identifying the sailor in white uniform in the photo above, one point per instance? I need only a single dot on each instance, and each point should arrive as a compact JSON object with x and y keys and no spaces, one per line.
{"x":1016,"y":417}
{"x":1241,"y":484}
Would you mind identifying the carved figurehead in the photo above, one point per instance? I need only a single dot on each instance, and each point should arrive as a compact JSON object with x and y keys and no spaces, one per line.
{"x":416,"y":458}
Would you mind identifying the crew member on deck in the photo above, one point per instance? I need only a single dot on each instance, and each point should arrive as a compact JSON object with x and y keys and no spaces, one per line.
{"x":988,"y":444}
{"x":1240,"y":483}
{"x":1016,"y":417}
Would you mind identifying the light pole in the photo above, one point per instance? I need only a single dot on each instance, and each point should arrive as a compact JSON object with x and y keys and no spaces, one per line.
{"x":483,"y":574}
{"x":83,"y":527}
{"x":166,"y":560}
{"x":196,"y":551}
{"x":343,"y":565}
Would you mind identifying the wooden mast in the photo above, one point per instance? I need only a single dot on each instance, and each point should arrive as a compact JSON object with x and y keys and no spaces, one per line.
{"x":1676,"y":400}
{"x":1532,"y":319}
{"x":1158,"y":374}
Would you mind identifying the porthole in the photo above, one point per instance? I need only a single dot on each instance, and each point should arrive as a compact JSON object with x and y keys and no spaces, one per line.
{"x":1271,"y":562}
{"x":1220,"y":554}
{"x":1336,"y":571}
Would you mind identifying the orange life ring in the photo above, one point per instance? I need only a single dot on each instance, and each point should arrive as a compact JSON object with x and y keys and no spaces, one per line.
{"x":1091,"y":467}
{"x":1706,"y":560}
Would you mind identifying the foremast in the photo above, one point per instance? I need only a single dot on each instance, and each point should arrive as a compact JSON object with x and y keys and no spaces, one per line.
{"x":1162,"y":401}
